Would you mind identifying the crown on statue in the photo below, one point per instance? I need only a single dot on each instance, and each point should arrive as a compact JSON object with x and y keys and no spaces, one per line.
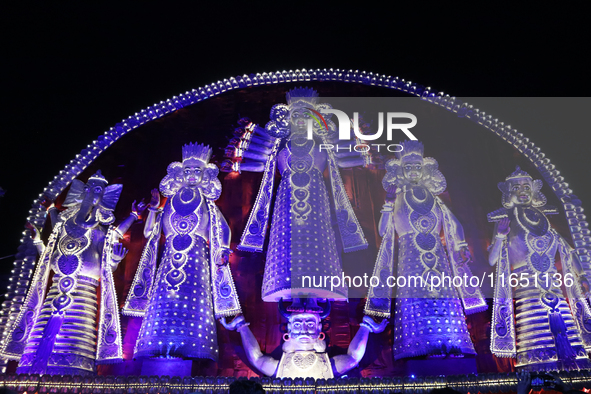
{"x":518,"y":173}
{"x":98,"y":177}
{"x":194,"y":151}
{"x":411,"y":149}
{"x":307,"y":95}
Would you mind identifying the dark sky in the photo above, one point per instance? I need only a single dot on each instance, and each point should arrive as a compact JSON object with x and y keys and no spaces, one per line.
{"x":71,"y":71}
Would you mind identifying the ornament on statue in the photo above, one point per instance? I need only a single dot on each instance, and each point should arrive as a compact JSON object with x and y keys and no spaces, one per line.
{"x":55,"y":333}
{"x":304,"y":349}
{"x":553,"y":334}
{"x":193,"y":285}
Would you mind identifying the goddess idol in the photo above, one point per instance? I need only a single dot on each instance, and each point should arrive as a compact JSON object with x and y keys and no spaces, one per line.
{"x":302,"y":240}
{"x":193,"y":285}
{"x":543,"y":331}
{"x":429,"y":321}
{"x":56,"y":333}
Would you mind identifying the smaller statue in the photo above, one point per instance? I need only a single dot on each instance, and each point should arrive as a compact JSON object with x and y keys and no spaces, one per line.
{"x":193,"y":282}
{"x":430,"y":320}
{"x":544,"y":332}
{"x":55,"y":333}
{"x":304,"y":349}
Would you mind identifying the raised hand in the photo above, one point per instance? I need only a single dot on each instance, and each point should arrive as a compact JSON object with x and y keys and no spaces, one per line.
{"x":138,"y":208}
{"x":373,"y":326}
{"x":390,"y":194}
{"x":523,"y":382}
{"x":224,"y":257}
{"x":119,"y":252}
{"x":465,"y":255}
{"x":155,"y":200}
{"x":504,"y":227}
{"x":237,"y":322}
{"x":35,"y":233}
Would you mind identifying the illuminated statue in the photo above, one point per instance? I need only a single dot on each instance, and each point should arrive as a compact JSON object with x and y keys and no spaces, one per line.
{"x":429,"y":320}
{"x":56,"y":333}
{"x":302,"y":240}
{"x":544,"y":332}
{"x":193,"y":282}
{"x":304,"y":349}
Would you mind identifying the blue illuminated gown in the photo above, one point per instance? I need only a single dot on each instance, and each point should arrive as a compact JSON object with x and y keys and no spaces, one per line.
{"x":302,"y":246}
{"x":427,"y":321}
{"x":189,"y":288}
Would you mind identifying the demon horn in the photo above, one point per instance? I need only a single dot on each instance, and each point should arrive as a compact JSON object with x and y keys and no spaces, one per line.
{"x":325,"y":310}
{"x":283,"y":310}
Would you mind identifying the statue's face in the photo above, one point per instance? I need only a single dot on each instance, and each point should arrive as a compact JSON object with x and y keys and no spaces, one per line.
{"x":94,"y":191}
{"x":193,"y":172}
{"x":304,"y":330}
{"x":413,"y":170}
{"x":299,"y":117}
{"x":521,"y":191}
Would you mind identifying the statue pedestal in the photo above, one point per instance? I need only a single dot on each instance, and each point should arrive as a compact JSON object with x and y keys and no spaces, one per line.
{"x":446,"y":366}
{"x":170,"y":367}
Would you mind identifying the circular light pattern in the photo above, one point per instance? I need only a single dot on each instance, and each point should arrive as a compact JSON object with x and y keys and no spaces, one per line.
{"x":578,"y":226}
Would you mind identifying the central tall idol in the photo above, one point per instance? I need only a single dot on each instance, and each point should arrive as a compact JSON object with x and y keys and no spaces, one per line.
{"x":429,"y":320}
{"x":193,"y":282}
{"x":302,"y":240}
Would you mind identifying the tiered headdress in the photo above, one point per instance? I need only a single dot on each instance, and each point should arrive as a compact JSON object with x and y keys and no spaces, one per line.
{"x":538,"y":199}
{"x":412,"y":150}
{"x":306,"y":95}
{"x":98,"y":177}
{"x":432,"y":178}
{"x":194,"y":151}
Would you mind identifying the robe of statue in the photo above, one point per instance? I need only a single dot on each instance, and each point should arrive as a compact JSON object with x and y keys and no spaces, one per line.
{"x":428,"y":320}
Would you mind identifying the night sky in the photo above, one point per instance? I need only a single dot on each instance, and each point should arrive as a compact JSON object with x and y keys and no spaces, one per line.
{"x":71,"y":71}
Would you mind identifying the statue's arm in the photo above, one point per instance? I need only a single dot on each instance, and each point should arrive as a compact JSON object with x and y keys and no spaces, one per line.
{"x":154,"y":214}
{"x":502,"y":229}
{"x":136,"y":209}
{"x":349,"y":162}
{"x":356,"y":350}
{"x":387,"y":211}
{"x":454,"y":233}
{"x":567,"y":251}
{"x":53,"y":215}
{"x":244,"y":165}
{"x":36,"y":237}
{"x":226,"y":231}
{"x":250,"y":150}
{"x":457,"y":231}
{"x":265,"y":364}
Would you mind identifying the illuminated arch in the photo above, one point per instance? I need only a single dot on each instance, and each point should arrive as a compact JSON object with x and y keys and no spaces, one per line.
{"x":24,"y":263}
